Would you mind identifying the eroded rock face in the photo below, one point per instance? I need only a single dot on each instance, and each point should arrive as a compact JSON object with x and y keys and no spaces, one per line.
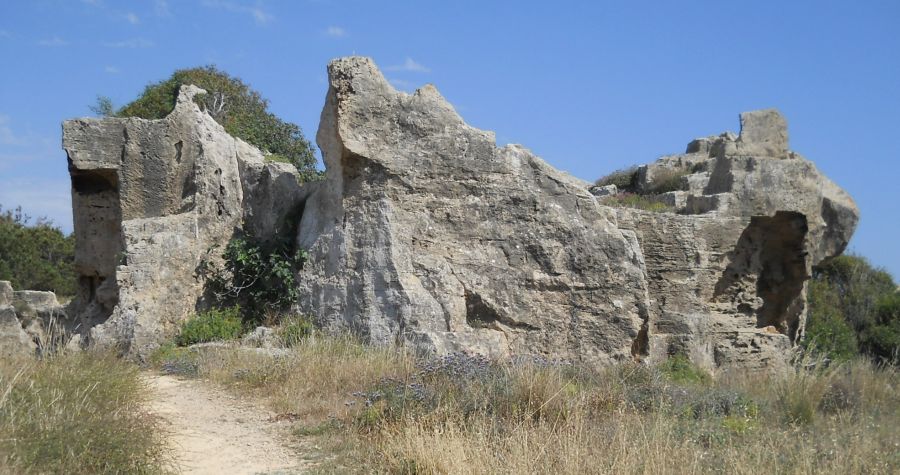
{"x":152,"y":199}
{"x":30,"y":320}
{"x":425,"y":232}
{"x":728,"y":272}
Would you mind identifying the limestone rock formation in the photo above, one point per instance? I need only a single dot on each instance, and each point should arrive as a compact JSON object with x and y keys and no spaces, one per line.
{"x":728,"y":272}
{"x":424,"y":232}
{"x":151,"y":200}
{"x":29,"y":320}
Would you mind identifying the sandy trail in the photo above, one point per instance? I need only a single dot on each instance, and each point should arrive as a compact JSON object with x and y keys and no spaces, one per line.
{"x":216,"y":433}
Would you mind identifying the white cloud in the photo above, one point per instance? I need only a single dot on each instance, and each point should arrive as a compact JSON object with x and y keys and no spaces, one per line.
{"x":161,"y":8}
{"x":7,"y":137}
{"x":111,"y":70}
{"x":5,"y":34}
{"x":132,"y":43}
{"x":409,"y":65}
{"x":132,"y":18}
{"x":335,"y":32}
{"x":260,"y":16}
{"x":53,"y":42}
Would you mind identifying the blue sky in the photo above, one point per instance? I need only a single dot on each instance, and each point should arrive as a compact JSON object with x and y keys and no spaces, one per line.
{"x":589,"y":86}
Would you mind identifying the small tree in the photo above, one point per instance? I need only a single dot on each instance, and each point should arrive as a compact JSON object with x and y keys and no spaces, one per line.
{"x":242,"y":111}
{"x":103,"y":107}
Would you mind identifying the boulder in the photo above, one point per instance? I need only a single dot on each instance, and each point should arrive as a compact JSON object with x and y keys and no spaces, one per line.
{"x":261,"y":337}
{"x":30,"y":320}
{"x":606,"y":190}
{"x":425,"y":232}
{"x":14,"y":341}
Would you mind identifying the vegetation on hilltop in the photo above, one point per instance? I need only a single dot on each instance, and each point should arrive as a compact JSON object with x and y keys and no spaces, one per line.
{"x":242,"y":111}
{"x":36,"y":254}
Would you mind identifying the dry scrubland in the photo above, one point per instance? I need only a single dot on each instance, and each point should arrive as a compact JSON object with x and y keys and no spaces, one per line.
{"x":364,"y":409}
{"x":368,"y":409}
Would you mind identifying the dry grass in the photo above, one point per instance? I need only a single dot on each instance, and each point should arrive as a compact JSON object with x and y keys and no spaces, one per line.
{"x":633,"y":200}
{"x":77,"y":413}
{"x":382,"y":410}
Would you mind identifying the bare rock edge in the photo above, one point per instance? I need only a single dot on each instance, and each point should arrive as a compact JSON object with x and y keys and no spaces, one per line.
{"x":425,"y":233}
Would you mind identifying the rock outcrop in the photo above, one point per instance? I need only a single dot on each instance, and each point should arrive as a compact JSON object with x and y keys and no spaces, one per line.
{"x":425,"y":233}
{"x":151,"y":200}
{"x":30,"y":321}
{"x":727,"y":269}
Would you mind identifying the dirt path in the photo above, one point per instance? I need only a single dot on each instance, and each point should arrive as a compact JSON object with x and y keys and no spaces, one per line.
{"x":215,"y":433}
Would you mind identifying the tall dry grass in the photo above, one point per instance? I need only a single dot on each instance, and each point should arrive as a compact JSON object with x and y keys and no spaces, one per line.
{"x":382,"y":410}
{"x":77,"y":413}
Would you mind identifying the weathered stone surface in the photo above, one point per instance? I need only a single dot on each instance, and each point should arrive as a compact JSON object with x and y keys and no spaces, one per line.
{"x":426,"y":232}
{"x":606,"y":190}
{"x":152,"y":199}
{"x":6,"y":292}
{"x":28,"y":319}
{"x":14,"y":341}
{"x":261,"y":337}
{"x":272,"y":194}
{"x":728,"y":274}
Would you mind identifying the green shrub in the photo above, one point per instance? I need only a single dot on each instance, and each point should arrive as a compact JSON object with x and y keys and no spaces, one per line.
{"x":847,"y":292}
{"x":858,"y":285}
{"x":624,"y":179}
{"x":680,"y":369}
{"x":36,"y":256}
{"x":882,"y":339}
{"x":827,"y":331}
{"x":667,"y":179}
{"x":258,"y":276}
{"x":212,"y":325}
{"x":241,"y":110}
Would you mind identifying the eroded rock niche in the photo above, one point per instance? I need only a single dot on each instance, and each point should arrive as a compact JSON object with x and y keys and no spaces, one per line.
{"x":98,"y":242}
{"x":425,"y":233}
{"x":769,"y":262}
